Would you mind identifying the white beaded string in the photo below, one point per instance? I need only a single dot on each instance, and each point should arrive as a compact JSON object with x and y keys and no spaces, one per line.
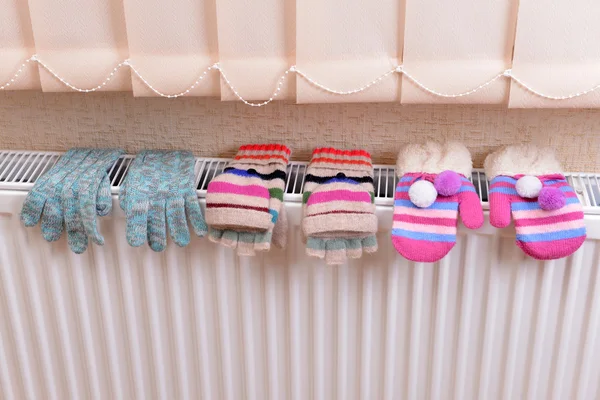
{"x":66,"y":83}
{"x":171,"y":96}
{"x":436,"y":93}
{"x":532,"y":90}
{"x":399,"y":69}
{"x":264,"y":103}
{"x":16,"y":75}
{"x":340,"y":92}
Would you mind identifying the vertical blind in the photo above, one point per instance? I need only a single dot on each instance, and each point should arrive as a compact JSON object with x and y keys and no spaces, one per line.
{"x":16,"y":45}
{"x":521,"y":53}
{"x":80,"y":40}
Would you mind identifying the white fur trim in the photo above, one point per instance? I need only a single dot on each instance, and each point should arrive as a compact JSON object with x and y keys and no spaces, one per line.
{"x":521,"y":159}
{"x":433,"y":158}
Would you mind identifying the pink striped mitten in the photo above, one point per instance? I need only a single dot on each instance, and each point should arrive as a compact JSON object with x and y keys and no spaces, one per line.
{"x":432,"y":190}
{"x":527,"y":183}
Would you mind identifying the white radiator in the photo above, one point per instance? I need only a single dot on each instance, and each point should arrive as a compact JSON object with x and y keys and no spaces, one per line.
{"x":486,"y":322}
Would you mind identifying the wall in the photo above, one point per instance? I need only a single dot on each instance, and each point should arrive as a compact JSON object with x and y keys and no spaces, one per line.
{"x":209,"y":127}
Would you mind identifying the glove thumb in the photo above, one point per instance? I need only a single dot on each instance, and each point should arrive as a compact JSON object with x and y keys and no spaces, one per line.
{"x":280,"y":229}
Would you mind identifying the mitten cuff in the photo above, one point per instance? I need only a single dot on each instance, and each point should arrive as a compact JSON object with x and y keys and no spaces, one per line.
{"x":328,"y":157}
{"x":522,"y":160}
{"x":263,"y":154}
{"x":434,"y":158}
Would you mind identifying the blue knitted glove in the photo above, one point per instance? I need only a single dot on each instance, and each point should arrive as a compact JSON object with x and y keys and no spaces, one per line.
{"x":85,"y":194}
{"x":159,"y":190}
{"x":44,"y":202}
{"x":52,"y":199}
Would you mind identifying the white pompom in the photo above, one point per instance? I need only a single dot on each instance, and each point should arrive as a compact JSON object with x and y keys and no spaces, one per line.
{"x":422,"y":193}
{"x":529,"y":186}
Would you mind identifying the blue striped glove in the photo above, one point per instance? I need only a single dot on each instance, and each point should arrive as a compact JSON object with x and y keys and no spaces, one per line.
{"x":159,"y":190}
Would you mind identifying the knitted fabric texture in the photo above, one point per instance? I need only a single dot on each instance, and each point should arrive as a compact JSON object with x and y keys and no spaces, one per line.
{"x":428,"y":234}
{"x":239,"y":199}
{"x":71,"y":194}
{"x":339,"y":219}
{"x":542,"y":234}
{"x":159,"y":191}
{"x":236,"y":204}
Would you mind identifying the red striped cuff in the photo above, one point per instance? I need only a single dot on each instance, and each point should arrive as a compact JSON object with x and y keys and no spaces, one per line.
{"x":263,"y":153}
{"x":342,"y":159}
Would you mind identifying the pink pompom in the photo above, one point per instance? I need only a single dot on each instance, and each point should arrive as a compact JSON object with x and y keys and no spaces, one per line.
{"x":447,"y":183}
{"x":551,"y":198}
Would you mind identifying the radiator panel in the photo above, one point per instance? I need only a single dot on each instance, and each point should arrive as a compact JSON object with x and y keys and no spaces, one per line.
{"x":199,"y":322}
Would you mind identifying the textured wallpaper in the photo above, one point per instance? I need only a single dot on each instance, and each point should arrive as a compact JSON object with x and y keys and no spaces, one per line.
{"x":209,"y":127}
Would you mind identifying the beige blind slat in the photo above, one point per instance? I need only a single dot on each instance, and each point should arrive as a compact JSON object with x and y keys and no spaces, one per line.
{"x":455,"y":46}
{"x":82,"y":41}
{"x":256,"y":46}
{"x":16,"y":45}
{"x":171,"y":44}
{"x":346,"y":44}
{"x":557,"y":52}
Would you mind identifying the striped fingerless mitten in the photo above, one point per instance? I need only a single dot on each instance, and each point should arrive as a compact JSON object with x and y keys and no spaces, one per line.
{"x":432,"y":190}
{"x":244,"y":203}
{"x":527,"y":183}
{"x":338,"y":205}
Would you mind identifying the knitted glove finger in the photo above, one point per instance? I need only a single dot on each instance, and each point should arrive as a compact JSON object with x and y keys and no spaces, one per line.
{"x":133,"y":178}
{"x":177,"y":222}
{"x":104,"y":197}
{"x":248,"y":243}
{"x":136,"y":220}
{"x":225,"y":237}
{"x":188,"y":192}
{"x":338,"y":251}
{"x":279,"y":238}
{"x":52,"y":219}
{"x":194,"y":213}
{"x":76,"y":237}
{"x":548,"y":216}
{"x":175,"y":204}
{"x":157,"y":226}
{"x":134,"y":196}
{"x":157,"y":222}
{"x":46,"y":187}
{"x":89,"y":187}
{"x":239,"y":198}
